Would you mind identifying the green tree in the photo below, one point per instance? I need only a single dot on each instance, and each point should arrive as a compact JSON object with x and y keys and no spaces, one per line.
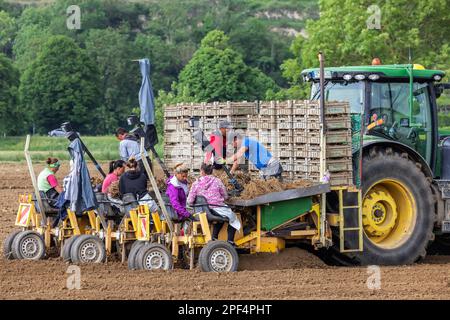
{"x":119,"y":76}
{"x":28,"y":43}
{"x":61,"y":85}
{"x":407,"y":26}
{"x":8,"y":29}
{"x":9,"y":109}
{"x":217,"y":72}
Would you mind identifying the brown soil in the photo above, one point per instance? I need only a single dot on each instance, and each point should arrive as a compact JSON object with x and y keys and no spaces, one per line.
{"x":254,"y":187}
{"x":291,"y":274}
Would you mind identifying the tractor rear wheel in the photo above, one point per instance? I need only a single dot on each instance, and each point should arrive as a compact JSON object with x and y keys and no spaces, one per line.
{"x":67,"y":246}
{"x":28,"y":245}
{"x":87,"y":249}
{"x":218,"y":256}
{"x":7,"y":245}
{"x":153,"y":256}
{"x":132,"y":263}
{"x":398,"y":214}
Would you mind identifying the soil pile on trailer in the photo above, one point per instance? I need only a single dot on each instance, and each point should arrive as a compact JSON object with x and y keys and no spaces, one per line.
{"x":254,"y":187}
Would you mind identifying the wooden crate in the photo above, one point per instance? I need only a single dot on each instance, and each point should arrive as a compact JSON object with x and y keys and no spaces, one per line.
{"x":284,"y":122}
{"x":284,"y":108}
{"x":285,"y":136}
{"x":267,"y":108}
{"x":307,"y":123}
{"x":338,"y":123}
{"x":338,"y":151}
{"x":339,"y":164}
{"x":337,"y":108}
{"x":341,"y":179}
{"x":339,"y":136}
{"x":306,"y":136}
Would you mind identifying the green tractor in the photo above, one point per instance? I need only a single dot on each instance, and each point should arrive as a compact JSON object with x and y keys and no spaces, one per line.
{"x":404,"y":161}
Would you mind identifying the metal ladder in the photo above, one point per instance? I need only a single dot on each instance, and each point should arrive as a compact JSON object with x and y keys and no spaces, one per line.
{"x":342,"y":228}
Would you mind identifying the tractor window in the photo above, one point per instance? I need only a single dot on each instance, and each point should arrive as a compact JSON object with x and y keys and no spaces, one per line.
{"x":342,"y":91}
{"x":390,"y":102}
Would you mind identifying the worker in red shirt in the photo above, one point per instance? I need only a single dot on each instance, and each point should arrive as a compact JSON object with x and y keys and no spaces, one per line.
{"x":218,"y":140}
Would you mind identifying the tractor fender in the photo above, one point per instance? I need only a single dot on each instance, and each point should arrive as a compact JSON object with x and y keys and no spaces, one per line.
{"x":413,"y":154}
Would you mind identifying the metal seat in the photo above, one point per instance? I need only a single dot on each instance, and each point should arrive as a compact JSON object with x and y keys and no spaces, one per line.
{"x":48,"y":209}
{"x":170,"y":210}
{"x":201,"y":205}
{"x":104,"y":205}
{"x":129,"y":202}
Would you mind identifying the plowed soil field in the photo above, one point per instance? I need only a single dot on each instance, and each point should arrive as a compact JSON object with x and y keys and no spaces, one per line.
{"x":292,"y":274}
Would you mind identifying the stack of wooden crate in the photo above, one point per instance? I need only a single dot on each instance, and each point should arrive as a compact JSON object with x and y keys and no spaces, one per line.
{"x":290,"y":130}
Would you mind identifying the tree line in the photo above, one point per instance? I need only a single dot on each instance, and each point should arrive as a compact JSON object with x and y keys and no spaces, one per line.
{"x":199,"y":51}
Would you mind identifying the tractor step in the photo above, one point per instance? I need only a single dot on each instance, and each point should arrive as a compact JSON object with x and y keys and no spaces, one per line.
{"x":445,"y":226}
{"x":345,"y":211}
{"x":444,"y":187}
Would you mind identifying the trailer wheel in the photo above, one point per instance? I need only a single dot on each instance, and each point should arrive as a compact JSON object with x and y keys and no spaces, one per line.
{"x":28,"y":245}
{"x":153,"y":256}
{"x":218,"y":256}
{"x":132,"y":263}
{"x":87,"y":249}
{"x":66,"y":248}
{"x":7,"y":245}
{"x":398,"y":214}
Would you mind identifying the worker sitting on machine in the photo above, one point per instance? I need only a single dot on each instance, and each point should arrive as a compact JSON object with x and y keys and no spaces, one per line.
{"x":177,"y":191}
{"x":256,"y":153}
{"x":116,"y":169}
{"x":218,"y":141}
{"x":134,"y":182}
{"x":48,"y":183}
{"x":215,"y":193}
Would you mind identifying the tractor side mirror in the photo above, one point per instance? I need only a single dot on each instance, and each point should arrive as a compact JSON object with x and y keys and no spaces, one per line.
{"x":439,"y":88}
{"x":404,"y":122}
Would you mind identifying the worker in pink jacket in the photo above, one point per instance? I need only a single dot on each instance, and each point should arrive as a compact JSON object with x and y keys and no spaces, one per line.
{"x":215,"y":194}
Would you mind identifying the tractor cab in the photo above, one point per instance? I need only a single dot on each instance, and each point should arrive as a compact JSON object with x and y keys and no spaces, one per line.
{"x":398,"y":102}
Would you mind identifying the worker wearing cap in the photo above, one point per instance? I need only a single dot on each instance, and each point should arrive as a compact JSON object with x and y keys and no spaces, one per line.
{"x":218,"y":141}
{"x":129,"y":148}
{"x":256,"y":153}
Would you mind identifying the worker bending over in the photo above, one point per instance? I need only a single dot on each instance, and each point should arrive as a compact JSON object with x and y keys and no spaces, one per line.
{"x":257,"y":154}
{"x":218,"y":140}
{"x":215,"y":194}
{"x":129,"y":147}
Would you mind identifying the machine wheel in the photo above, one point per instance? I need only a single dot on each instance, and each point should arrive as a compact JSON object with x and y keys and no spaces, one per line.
{"x":28,"y":245}
{"x":153,"y":256}
{"x":398,"y":215}
{"x":218,"y":256}
{"x":7,"y":245}
{"x":66,"y":248}
{"x":132,"y":263}
{"x":87,"y":249}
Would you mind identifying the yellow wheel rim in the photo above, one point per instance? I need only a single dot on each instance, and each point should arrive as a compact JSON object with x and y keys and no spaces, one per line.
{"x":389,"y":213}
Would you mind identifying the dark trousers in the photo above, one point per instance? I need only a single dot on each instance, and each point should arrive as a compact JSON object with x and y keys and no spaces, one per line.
{"x":230,"y":230}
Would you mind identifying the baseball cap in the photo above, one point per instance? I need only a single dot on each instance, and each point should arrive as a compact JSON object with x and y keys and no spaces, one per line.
{"x":225,"y":124}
